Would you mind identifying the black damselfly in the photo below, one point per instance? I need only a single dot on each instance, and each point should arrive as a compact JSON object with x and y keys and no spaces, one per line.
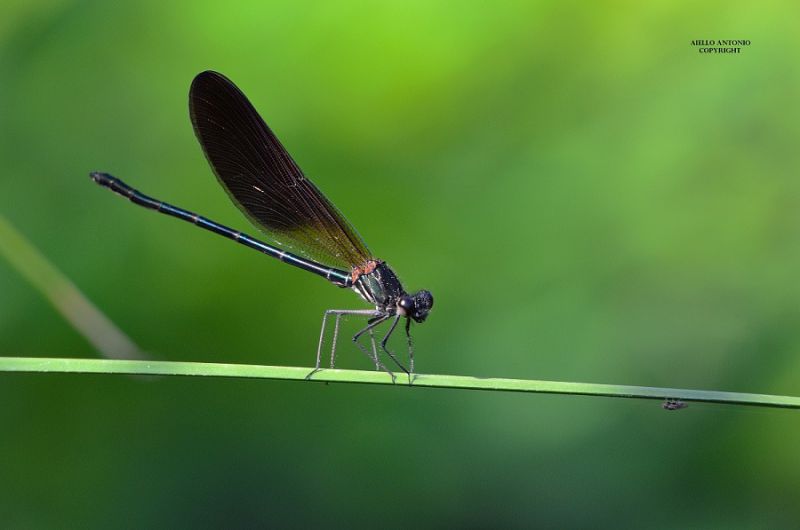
{"x":264,"y":182}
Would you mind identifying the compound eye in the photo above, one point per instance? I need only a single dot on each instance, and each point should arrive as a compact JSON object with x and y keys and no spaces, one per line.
{"x":423,"y":302}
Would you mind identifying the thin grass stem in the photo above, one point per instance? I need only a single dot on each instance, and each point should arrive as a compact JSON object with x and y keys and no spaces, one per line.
{"x":293,"y":373}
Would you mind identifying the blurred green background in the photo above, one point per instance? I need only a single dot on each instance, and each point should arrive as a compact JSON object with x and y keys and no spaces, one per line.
{"x":587,"y":196}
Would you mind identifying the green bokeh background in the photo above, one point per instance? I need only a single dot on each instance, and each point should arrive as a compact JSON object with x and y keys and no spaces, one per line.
{"x":587,"y":196}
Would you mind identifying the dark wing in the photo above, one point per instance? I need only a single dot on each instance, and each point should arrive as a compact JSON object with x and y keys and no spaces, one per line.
{"x":263,"y":180}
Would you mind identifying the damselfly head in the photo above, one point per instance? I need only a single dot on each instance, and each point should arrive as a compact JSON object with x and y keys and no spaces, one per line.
{"x":422,"y":302}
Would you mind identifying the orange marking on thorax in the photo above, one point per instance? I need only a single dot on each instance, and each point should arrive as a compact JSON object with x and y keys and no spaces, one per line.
{"x":368,"y":267}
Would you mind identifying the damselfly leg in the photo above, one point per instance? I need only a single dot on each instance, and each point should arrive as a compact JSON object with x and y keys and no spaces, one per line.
{"x":410,"y":346}
{"x":338,"y":313}
{"x":375,"y":322}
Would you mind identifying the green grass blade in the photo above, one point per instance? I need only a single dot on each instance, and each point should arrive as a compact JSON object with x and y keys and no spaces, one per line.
{"x":292,"y":373}
{"x":65,"y":296}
